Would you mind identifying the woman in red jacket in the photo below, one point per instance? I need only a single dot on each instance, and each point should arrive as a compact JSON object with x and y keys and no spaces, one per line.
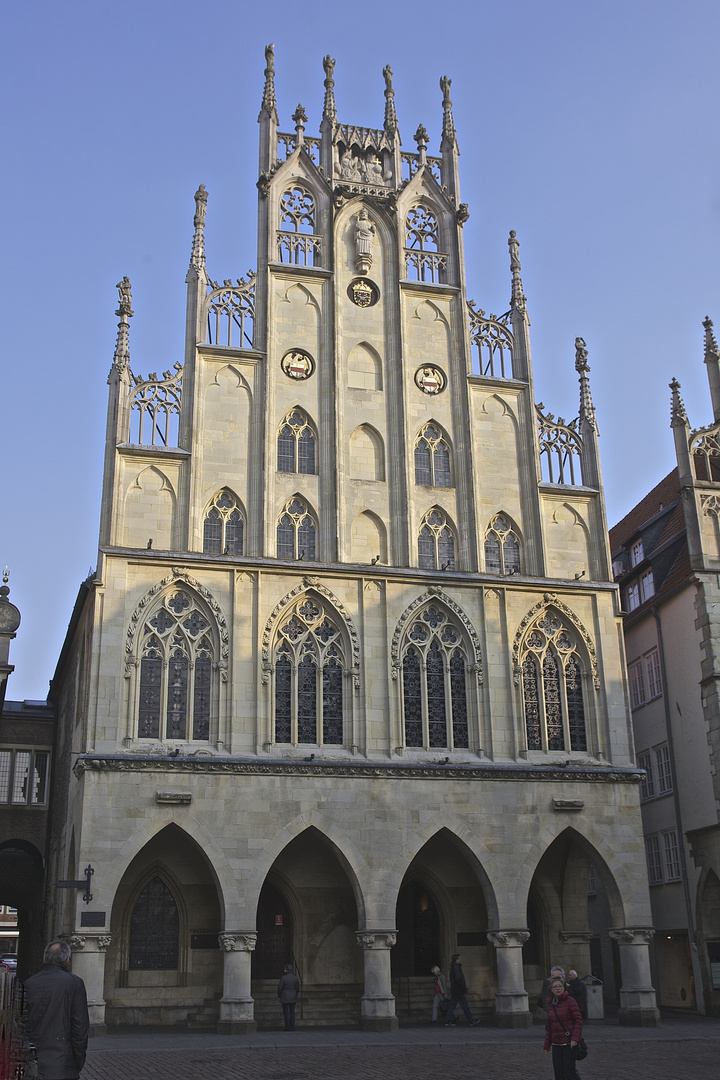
{"x":563,"y":1030}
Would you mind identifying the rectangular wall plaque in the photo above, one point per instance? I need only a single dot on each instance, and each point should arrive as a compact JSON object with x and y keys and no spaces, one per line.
{"x":92,"y":918}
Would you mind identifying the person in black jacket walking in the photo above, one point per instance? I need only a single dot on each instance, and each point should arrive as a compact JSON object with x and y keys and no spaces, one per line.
{"x":458,"y":990}
{"x":57,"y":1015}
{"x":288,"y":990}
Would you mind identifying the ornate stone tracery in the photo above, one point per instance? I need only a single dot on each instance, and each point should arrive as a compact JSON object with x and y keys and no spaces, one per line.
{"x":434,"y":595}
{"x":550,"y":600}
{"x":310,"y":585}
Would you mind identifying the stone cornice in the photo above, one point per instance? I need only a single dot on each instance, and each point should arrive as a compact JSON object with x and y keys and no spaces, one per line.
{"x":600,"y":774}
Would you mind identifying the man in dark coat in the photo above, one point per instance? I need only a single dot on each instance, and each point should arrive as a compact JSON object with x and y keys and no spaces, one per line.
{"x":288,"y":990}
{"x":458,"y":990}
{"x":57,"y":1015}
{"x":577,"y":988}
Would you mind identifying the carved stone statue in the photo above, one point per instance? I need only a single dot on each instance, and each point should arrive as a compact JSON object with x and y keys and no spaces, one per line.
{"x":364,"y":239}
{"x":348,"y":168}
{"x":373,"y":170}
{"x":125,"y":301}
{"x":581,"y":353}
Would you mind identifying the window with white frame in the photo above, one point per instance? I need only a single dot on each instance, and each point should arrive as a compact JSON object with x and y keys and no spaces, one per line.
{"x":24,"y":776}
{"x":647,"y":788}
{"x":637,"y":553}
{"x":652,"y":665}
{"x":662,"y":759}
{"x":647,"y":586}
{"x":632,"y":596}
{"x":672,"y":856}
{"x":654,"y":860}
{"x":637,"y":684}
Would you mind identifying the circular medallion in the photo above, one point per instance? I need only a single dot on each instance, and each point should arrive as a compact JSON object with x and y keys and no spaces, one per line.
{"x":297,"y":364}
{"x":362,"y":292}
{"x":430,"y":379}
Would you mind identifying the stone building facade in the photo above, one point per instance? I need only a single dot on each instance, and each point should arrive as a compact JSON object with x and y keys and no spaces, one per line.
{"x":666,"y":559}
{"x":347,"y":690}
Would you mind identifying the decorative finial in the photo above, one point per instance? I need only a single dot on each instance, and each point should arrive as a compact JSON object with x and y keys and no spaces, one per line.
{"x":6,"y":576}
{"x":517,"y":299}
{"x":329,"y":110}
{"x":448,"y":128}
{"x":587,"y":409}
{"x":712,"y":353}
{"x":421,"y":138}
{"x":269,"y":104}
{"x":121,"y":359}
{"x":197,"y":257}
{"x":391,"y":122}
{"x":300,"y":118}
{"x":678,"y":416}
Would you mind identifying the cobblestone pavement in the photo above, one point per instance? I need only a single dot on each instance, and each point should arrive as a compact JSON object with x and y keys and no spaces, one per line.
{"x":673,"y":1052}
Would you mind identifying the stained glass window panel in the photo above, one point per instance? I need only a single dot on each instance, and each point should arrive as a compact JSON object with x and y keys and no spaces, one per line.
{"x":458,"y":694}
{"x":532,"y":704}
{"x":306,"y":539}
{"x":283,"y":690}
{"x":423,"y":473}
{"x":332,"y":704}
{"x":149,"y":706}
{"x":441,"y":462}
{"x":201,"y":699}
{"x":286,"y":449}
{"x":446,"y":549}
{"x":177,"y":695}
{"x":234,"y":534}
{"x":437,"y":726}
{"x":212,"y":533}
{"x":307,"y":701}
{"x":576,"y":707}
{"x":412,"y":699}
{"x":492,"y":554}
{"x":154,"y":929}
{"x":285,"y":538}
{"x":426,"y":549}
{"x":553,"y":715}
{"x":306,"y":452}
{"x":511,"y":554}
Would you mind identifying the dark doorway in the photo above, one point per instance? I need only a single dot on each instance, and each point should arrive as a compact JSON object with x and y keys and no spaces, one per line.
{"x":418,"y":924}
{"x":275,"y":935}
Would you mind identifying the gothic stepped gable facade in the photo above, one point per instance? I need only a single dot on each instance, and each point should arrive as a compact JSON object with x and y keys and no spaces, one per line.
{"x":347,"y":691}
{"x":666,"y":560}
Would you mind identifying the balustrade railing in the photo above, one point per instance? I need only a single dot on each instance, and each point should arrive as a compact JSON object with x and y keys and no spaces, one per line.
{"x":300,"y":249}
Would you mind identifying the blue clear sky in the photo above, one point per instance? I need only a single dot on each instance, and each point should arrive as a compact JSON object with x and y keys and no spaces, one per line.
{"x":590,"y":128}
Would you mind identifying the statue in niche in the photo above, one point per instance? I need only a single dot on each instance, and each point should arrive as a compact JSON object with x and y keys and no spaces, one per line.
{"x":348,"y":168}
{"x":364,"y":239}
{"x":373,"y":170}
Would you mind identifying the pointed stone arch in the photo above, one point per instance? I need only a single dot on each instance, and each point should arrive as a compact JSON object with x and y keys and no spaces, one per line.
{"x":368,"y":538}
{"x":310,"y":585}
{"x":366,"y":453}
{"x":495,"y":403}
{"x":436,"y":595}
{"x":550,"y":600}
{"x":302,"y":290}
{"x":149,"y":509}
{"x":424,"y":307}
{"x":233,"y":376}
{"x":364,"y":367}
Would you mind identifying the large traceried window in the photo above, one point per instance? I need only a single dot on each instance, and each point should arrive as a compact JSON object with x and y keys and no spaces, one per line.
{"x":154,"y":929}
{"x":423,"y":259}
{"x":436,"y":542}
{"x":432,"y":458}
{"x":297,"y":239}
{"x":224,"y":526}
{"x":176,"y":677}
{"x":309,"y":668}
{"x":552,"y":687}
{"x":434,"y":683}
{"x":296,"y":444}
{"x":296,"y":531}
{"x":502,"y":548}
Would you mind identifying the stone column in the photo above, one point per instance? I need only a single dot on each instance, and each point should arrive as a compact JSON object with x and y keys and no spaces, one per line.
{"x":378,"y":1003}
{"x":511,"y":1000}
{"x":638,"y":1006}
{"x":88,"y":961}
{"x":237,"y":1015}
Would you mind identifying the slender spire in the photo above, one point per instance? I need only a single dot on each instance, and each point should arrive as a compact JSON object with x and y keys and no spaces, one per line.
{"x":121,"y":359}
{"x":587,"y":409}
{"x":391,"y":122}
{"x":269,"y":104}
{"x":678,"y":416}
{"x":517,"y":299}
{"x":197,"y":257}
{"x":712,"y":363}
{"x":329,"y":110}
{"x":300,"y":119}
{"x":448,"y":128}
{"x":421,"y":138}
{"x":712,"y":353}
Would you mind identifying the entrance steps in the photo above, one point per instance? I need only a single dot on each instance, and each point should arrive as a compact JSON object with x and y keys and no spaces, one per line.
{"x":414,"y":999}
{"x":319,"y":1005}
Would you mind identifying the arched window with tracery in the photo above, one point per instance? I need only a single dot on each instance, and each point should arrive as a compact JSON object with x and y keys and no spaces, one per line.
{"x":296,"y":531}
{"x":309,"y":668}
{"x":423,"y":259}
{"x":224,"y":526}
{"x":297,"y":239}
{"x":434,"y":683}
{"x":502,"y":548}
{"x":154,"y":929}
{"x":432,"y":457}
{"x":296,"y":444}
{"x":552,"y":686}
{"x":177,"y":652}
{"x":436,"y":542}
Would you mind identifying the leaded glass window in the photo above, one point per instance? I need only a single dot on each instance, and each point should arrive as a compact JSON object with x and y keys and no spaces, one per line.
{"x":502,"y":548}
{"x":175,"y":692}
{"x":552,"y":687}
{"x":154,"y":929}
{"x":296,"y":532}
{"x":296,"y":444}
{"x":432,"y":458}
{"x":309,"y":671}
{"x":224,"y":526}
{"x":436,"y":542}
{"x":434,"y":683}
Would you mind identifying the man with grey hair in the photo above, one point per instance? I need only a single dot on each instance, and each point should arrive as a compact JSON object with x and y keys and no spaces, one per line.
{"x":57,"y":1015}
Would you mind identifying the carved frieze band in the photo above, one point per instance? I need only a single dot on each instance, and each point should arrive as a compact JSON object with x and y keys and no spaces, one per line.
{"x":551,"y":600}
{"x":435,"y":592}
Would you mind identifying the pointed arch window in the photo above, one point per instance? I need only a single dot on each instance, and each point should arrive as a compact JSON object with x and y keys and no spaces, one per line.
{"x":552,"y":687}
{"x":432,"y":458}
{"x":309,"y":668}
{"x":296,"y":444}
{"x":502,"y":548}
{"x":297,"y":239}
{"x":176,"y":672}
{"x":224,"y":526}
{"x":154,"y":929}
{"x":436,"y":542}
{"x":434,"y":683}
{"x":296,"y":531}
{"x":423,"y":260}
